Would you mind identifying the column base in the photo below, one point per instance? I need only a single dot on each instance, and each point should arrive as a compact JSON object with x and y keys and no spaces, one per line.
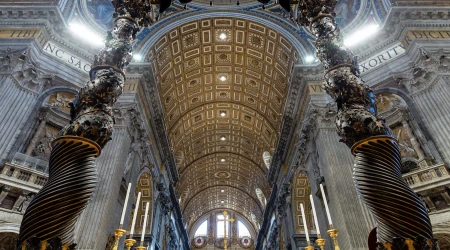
{"x":34,"y":243}
{"x":419,"y":243}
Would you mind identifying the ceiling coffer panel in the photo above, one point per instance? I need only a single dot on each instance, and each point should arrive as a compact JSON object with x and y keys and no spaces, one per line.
{"x":223,"y":83}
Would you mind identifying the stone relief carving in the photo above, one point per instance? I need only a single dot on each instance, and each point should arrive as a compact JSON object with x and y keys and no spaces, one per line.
{"x":421,"y":75}
{"x":395,"y":110}
{"x":29,"y":75}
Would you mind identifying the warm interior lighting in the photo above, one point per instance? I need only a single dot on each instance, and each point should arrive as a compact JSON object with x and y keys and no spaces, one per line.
{"x":222,"y":138}
{"x":223,"y":78}
{"x":222,"y":36}
{"x":222,"y":201}
{"x":361,"y":34}
{"x":222,"y":190}
{"x":222,"y":160}
{"x":84,"y":32}
{"x":223,"y":113}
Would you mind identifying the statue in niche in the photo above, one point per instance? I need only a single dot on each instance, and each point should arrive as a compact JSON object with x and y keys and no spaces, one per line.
{"x":60,"y":100}
{"x":129,"y":162}
{"x":43,"y":145}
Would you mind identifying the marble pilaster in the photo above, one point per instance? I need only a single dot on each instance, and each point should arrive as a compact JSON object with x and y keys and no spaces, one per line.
{"x":16,"y":104}
{"x":350,"y":216}
{"x":434,"y":107}
{"x":100,"y":219}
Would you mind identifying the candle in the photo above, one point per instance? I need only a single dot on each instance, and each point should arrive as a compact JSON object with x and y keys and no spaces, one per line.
{"x":304,"y":223}
{"x":125,"y":205}
{"x":326,"y":205}
{"x":135,"y":214}
{"x":145,"y":223}
{"x":315,"y":215}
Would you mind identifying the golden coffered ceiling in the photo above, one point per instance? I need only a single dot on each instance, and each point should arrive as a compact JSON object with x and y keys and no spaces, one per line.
{"x":223,"y":98}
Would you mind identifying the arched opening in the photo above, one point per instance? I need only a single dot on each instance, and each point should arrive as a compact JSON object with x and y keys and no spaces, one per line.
{"x":261,"y":197}
{"x":300,"y":195}
{"x":267,"y":158}
{"x":202,"y":230}
{"x":144,"y":185}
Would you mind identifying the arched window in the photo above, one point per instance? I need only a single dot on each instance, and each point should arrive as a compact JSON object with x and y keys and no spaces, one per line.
{"x":202,"y":230}
{"x":267,"y":158}
{"x":243,"y":230}
{"x":222,"y":226}
{"x":261,"y":197}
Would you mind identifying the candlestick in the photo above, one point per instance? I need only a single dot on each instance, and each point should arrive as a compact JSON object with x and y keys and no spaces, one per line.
{"x":309,"y":247}
{"x":135,"y":215}
{"x":334,"y":233}
{"x":129,"y":243}
{"x":316,"y":222}
{"x":320,"y":242}
{"x":145,"y":223}
{"x":304,"y":223}
{"x":125,"y":205}
{"x":118,"y":233}
{"x":326,"y":205}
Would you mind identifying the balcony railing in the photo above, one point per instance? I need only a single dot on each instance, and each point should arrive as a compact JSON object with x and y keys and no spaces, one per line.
{"x":30,"y":162}
{"x":25,"y":172}
{"x":429,"y":177}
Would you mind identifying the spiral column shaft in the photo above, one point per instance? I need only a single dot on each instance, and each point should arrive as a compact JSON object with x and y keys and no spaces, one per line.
{"x":55,"y":208}
{"x":378,"y":181}
{"x":377,"y":176}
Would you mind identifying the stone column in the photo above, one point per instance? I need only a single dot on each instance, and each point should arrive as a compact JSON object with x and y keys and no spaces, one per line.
{"x":100,"y":218}
{"x":18,"y":202}
{"x":350,"y":216}
{"x":434,"y":107}
{"x":4,"y":193}
{"x":16,"y":104}
{"x":446,"y":197}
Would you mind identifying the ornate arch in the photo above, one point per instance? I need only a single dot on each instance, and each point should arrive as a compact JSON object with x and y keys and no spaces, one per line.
{"x":144,"y":185}
{"x":300,"y":195}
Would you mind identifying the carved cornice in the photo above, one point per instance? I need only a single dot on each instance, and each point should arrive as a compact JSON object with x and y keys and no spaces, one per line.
{"x":145,"y":73}
{"x":290,"y":115}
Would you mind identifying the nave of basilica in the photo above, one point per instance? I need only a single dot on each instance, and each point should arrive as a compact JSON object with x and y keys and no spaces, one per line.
{"x":224,"y":124}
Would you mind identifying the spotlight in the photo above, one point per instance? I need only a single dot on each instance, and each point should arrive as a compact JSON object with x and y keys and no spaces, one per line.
{"x":137,"y":57}
{"x":222,"y":190}
{"x":361,"y":35}
{"x":223,"y":78}
{"x":222,"y":36}
{"x":222,"y":160}
{"x":81,"y":30}
{"x":222,"y":201}
{"x":222,"y":138}
{"x":223,"y":113}
{"x":309,"y":59}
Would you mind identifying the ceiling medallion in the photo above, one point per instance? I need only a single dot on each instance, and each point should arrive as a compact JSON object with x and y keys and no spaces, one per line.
{"x":222,"y":175}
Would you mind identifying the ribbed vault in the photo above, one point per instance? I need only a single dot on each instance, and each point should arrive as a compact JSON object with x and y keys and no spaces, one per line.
{"x":223,"y":83}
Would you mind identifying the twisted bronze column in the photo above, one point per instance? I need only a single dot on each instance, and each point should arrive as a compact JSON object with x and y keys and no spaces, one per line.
{"x":51,"y":215}
{"x":399,"y":212}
